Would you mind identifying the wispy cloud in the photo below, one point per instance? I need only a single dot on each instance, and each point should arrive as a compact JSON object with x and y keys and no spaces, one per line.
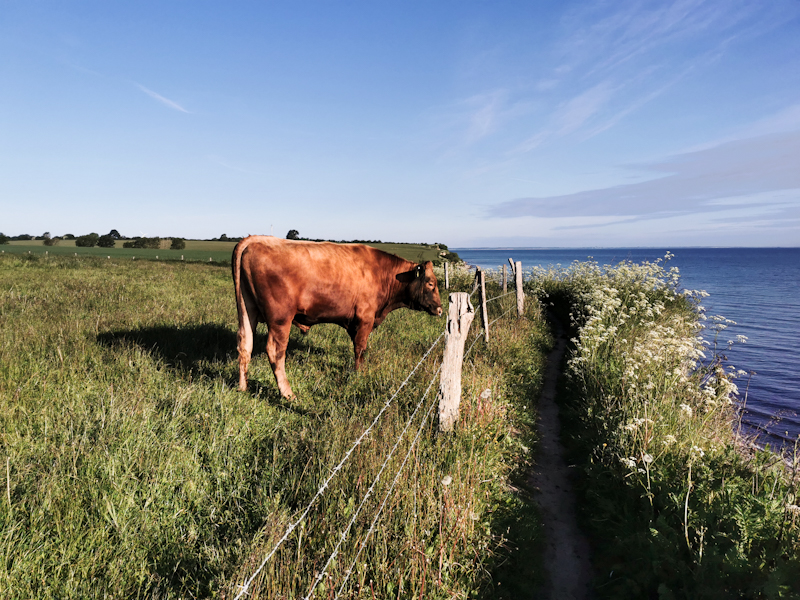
{"x":165,"y":101}
{"x":704,"y":180}
{"x":609,"y":61}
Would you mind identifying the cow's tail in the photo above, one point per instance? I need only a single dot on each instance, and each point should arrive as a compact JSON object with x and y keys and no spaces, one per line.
{"x":246,"y":333}
{"x":236,"y":267}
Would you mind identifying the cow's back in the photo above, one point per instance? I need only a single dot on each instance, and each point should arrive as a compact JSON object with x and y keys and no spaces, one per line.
{"x":323,"y":281}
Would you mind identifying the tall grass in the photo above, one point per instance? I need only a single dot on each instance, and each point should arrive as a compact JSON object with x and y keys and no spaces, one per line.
{"x":134,"y":469}
{"x":679,"y":506}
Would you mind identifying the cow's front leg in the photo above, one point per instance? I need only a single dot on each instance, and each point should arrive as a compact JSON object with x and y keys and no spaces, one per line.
{"x":360,"y":336}
{"x":277,"y":341}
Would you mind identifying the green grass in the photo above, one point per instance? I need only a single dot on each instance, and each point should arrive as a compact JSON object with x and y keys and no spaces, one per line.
{"x":196,"y":250}
{"x":134,"y":469}
{"x":678,"y":505}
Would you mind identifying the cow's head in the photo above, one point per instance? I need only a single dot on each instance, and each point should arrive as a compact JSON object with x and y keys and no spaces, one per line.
{"x":423,"y":290}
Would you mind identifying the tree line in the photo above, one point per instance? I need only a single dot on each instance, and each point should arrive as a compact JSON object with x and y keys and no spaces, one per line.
{"x":90,"y":240}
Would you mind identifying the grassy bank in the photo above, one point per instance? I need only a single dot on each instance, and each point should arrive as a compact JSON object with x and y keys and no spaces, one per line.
{"x":677,"y":505}
{"x":134,"y":469}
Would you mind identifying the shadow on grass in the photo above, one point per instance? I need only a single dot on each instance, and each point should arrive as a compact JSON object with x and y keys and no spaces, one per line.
{"x":207,"y":351}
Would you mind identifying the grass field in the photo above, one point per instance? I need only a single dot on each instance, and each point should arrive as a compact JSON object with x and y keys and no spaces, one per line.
{"x":134,"y":469}
{"x":196,"y":250}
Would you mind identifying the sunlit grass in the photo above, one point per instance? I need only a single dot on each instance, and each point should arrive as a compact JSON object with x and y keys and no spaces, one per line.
{"x":134,"y":468}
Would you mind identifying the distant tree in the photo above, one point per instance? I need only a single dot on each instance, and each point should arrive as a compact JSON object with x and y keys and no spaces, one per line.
{"x":177,"y":244}
{"x":24,"y":237}
{"x":143,"y":242}
{"x":87,"y":241}
{"x":293,"y":235}
{"x":4,"y":239}
{"x":51,"y":241}
{"x":67,"y":236}
{"x":115,"y":234}
{"x":106,"y":241}
{"x":223,"y":238}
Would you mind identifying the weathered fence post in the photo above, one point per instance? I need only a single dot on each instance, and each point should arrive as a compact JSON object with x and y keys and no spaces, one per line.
{"x":484,"y":310}
{"x":459,"y":319}
{"x":477,"y":279}
{"x":505,"y":280}
{"x":447,"y":276}
{"x":520,"y":293}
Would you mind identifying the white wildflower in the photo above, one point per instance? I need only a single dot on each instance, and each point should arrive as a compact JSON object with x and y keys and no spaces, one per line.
{"x":686,"y":411}
{"x":793,"y":508}
{"x":698,"y":450}
{"x":669,"y":440}
{"x":647,"y":458}
{"x":629,"y":462}
{"x":447,"y":480}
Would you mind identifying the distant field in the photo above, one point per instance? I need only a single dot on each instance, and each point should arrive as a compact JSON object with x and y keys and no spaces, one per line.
{"x":196,"y":250}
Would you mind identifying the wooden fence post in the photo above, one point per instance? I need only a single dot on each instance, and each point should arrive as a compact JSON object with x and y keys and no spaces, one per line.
{"x":447,"y":276}
{"x":520,"y":293}
{"x":459,"y":319}
{"x":484,"y":310}
{"x":505,"y":280}
{"x":475,"y":283}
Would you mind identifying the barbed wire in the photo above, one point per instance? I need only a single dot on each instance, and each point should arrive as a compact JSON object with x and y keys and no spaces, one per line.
{"x":344,"y":534}
{"x":246,"y":586}
{"x":501,"y":316}
{"x":371,"y":530}
{"x":500,"y":296}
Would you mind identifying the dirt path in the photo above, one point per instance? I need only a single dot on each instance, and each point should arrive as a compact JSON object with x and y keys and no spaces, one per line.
{"x":567,"y":553}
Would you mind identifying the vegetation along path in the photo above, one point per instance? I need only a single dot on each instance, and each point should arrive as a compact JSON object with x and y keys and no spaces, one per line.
{"x":566,"y":550}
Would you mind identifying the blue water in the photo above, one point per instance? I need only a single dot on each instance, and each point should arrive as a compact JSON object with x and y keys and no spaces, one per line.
{"x":759,"y":288}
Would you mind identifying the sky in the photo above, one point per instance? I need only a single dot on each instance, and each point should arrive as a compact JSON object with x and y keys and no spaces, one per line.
{"x":468,"y":123}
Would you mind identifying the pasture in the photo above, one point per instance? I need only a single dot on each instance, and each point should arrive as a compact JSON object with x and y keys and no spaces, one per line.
{"x":133,"y":467}
{"x":196,"y":250}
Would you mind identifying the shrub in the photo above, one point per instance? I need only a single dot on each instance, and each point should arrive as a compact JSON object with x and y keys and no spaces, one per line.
{"x":87,"y":241}
{"x":177,"y":244}
{"x":143,"y":242}
{"x":105,"y":241}
{"x":51,"y":241}
{"x":4,"y":239}
{"x":676,"y":508}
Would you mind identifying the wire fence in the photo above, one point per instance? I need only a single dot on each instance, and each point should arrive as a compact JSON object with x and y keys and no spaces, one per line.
{"x":243,"y":589}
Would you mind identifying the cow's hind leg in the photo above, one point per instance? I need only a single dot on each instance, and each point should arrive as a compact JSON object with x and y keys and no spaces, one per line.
{"x":247,"y":330}
{"x":277,"y":341}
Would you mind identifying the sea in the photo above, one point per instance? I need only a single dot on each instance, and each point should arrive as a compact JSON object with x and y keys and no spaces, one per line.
{"x":757,"y":288}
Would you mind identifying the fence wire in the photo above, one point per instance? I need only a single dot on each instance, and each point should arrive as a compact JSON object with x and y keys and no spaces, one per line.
{"x":246,"y":586}
{"x":385,"y":499}
{"x":344,"y":534}
{"x":500,"y":296}
{"x":501,"y":316}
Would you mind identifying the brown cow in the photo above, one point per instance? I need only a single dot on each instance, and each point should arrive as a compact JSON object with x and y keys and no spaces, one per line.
{"x":280,"y":282}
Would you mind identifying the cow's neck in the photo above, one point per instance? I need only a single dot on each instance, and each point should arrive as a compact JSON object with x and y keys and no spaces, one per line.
{"x":397,"y":292}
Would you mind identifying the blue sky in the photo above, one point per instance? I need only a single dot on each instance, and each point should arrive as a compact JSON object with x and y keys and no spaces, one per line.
{"x":469,"y":123}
